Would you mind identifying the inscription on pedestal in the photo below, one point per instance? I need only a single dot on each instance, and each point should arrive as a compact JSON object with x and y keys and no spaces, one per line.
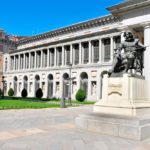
{"x":115,"y":87}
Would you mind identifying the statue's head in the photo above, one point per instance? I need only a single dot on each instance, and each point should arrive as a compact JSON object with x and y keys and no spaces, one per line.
{"x":128,"y":35}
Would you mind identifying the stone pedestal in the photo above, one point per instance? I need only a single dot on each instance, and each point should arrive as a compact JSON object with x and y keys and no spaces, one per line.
{"x":137,"y":128}
{"x":123,"y":111}
{"x":125,"y":96}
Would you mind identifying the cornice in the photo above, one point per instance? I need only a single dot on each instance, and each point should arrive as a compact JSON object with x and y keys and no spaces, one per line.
{"x":97,"y":22}
{"x":127,"y":6}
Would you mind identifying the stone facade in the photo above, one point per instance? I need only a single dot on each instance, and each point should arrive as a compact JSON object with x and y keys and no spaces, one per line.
{"x":82,"y":52}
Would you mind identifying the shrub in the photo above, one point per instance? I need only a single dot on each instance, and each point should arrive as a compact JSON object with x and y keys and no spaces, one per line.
{"x":80,"y":95}
{"x":24,"y":93}
{"x":39,"y":93}
{"x":1,"y":92}
{"x":11,"y":92}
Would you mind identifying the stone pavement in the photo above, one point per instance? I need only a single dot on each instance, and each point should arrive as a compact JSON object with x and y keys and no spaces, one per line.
{"x":54,"y":129}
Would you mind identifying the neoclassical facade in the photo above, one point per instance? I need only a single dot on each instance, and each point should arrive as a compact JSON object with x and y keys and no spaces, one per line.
{"x":64,"y":60}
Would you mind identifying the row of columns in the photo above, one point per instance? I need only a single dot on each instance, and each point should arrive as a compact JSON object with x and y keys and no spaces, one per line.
{"x":25,"y":61}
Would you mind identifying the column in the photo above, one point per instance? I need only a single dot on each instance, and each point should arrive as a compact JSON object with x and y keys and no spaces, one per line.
{"x":147,"y":57}
{"x":24,"y":61}
{"x":100,"y":50}
{"x":111,"y":49}
{"x":90,"y":52}
{"x":63,"y":55}
{"x":41,"y":59}
{"x":55,"y":57}
{"x":19,"y":62}
{"x":80,"y":53}
{"x":35,"y":61}
{"x":29,"y":61}
{"x":48,"y":57}
{"x":71,"y":52}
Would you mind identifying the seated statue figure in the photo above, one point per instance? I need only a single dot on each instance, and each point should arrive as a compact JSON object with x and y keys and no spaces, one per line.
{"x":128,"y":56}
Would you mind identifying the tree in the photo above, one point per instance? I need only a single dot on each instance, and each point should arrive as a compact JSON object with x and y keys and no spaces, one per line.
{"x":39,"y":93}
{"x":80,"y":95}
{"x":11,"y":92}
{"x":24,"y":93}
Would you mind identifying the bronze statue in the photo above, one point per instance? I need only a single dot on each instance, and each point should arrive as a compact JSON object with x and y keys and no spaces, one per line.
{"x":128,"y":56}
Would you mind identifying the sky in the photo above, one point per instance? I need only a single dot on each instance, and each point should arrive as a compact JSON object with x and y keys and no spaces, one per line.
{"x":32,"y":17}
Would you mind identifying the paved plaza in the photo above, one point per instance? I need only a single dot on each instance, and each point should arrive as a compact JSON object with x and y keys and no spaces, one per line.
{"x":54,"y":129}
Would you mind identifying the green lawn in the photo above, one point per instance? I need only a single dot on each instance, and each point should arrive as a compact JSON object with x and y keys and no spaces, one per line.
{"x":25,"y":104}
{"x":20,"y":104}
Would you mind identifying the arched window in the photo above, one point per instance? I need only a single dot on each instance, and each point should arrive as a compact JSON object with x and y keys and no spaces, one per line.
{"x":15,"y":86}
{"x":50,"y":86}
{"x":25,"y":84}
{"x":65,"y":86}
{"x":37,"y":82}
{"x":84,"y":82}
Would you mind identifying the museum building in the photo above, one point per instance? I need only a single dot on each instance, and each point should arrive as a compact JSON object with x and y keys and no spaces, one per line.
{"x":63,"y":60}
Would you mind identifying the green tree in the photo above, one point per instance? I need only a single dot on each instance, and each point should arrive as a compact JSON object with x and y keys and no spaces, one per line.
{"x":11,"y":92}
{"x":39,"y":93}
{"x":24,"y":93}
{"x":80,"y":95}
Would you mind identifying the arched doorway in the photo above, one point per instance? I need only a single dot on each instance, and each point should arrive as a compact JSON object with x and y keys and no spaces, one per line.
{"x":84,"y":82}
{"x":50,"y":86}
{"x":37,"y":82}
{"x":15,"y":86}
{"x":25,"y":83}
{"x":65,"y":86}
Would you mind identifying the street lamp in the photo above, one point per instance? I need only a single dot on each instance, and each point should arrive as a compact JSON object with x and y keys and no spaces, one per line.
{"x":70,"y":79}
{"x":3,"y":82}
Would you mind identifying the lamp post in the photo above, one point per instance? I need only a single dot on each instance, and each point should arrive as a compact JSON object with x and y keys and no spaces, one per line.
{"x":3,"y":82}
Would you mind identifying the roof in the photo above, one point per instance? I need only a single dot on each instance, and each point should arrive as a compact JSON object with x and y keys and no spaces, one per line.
{"x":72,"y":28}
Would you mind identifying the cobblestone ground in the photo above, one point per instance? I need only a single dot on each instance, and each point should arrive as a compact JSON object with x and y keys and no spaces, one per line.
{"x":54,"y":129}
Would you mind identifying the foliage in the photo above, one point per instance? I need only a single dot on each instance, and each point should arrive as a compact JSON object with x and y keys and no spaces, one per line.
{"x":20,"y":104}
{"x":24,"y":93}
{"x":11,"y":92}
{"x":39,"y":93}
{"x":80,"y":95}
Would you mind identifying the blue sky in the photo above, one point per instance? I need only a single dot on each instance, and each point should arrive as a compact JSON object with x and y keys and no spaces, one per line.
{"x":31,"y":17}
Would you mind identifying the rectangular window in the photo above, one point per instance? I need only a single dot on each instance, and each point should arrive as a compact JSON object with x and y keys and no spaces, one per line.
{"x":12,"y":62}
{"x":44,"y":58}
{"x":95,"y":51}
{"x":59,"y":56}
{"x":38,"y":59}
{"x":117,"y":41}
{"x":32,"y":60}
{"x":52,"y":57}
{"x":106,"y":49}
{"x":67,"y":55}
{"x":16,"y":62}
{"x":76,"y":54}
{"x":85,"y":47}
{"x":22,"y":61}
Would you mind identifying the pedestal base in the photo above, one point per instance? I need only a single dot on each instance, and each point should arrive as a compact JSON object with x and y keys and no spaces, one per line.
{"x":120,"y":126}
